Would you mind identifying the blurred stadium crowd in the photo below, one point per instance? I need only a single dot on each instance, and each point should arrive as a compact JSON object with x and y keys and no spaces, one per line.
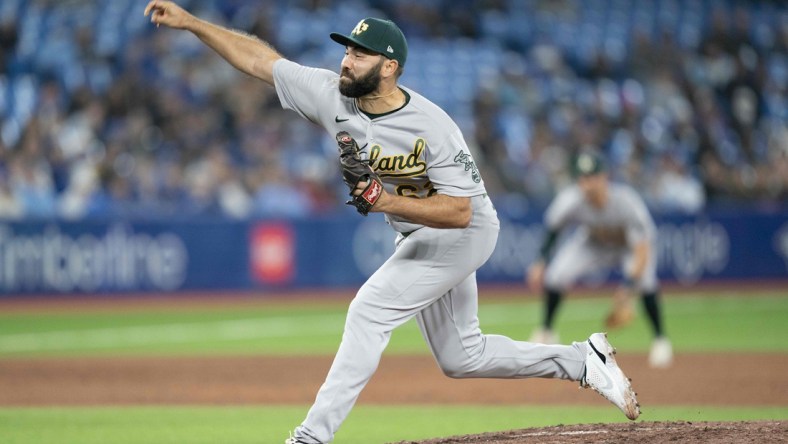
{"x":102,"y":115}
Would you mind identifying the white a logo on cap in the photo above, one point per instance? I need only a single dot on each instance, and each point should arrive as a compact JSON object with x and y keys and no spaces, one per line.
{"x":390,"y":49}
{"x":585,"y":163}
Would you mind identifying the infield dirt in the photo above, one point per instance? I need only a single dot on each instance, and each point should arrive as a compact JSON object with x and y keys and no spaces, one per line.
{"x":756,"y":379}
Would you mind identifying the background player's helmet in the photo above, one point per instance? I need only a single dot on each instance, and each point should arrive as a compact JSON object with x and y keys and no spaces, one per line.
{"x":587,"y":163}
{"x":378,"y":35}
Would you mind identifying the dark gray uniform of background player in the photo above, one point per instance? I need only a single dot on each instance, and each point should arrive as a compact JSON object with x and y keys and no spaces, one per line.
{"x":612,"y":229}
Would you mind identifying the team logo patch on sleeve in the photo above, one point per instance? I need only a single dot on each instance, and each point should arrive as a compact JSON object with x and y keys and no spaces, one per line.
{"x":465,"y":159}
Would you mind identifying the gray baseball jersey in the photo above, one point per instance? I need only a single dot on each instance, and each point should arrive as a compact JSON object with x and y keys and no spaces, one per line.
{"x":604,"y":237}
{"x":417,"y":151}
{"x":623,"y":221}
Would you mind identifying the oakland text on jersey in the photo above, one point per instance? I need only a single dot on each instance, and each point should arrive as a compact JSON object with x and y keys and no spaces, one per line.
{"x":399,"y":165}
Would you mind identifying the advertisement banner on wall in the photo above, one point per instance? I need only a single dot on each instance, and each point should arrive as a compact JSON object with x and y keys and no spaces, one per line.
{"x":99,"y":257}
{"x":342,"y":251}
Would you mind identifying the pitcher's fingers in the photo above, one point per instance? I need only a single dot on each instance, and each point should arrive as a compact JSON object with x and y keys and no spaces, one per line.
{"x":150,"y":7}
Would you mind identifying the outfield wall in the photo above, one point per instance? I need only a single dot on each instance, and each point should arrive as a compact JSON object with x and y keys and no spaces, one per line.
{"x":340,"y":251}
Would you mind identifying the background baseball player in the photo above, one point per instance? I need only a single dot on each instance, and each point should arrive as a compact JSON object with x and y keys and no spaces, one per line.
{"x":417,"y":169}
{"x":613,"y":228}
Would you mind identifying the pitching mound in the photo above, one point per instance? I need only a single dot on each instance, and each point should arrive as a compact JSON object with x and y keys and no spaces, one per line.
{"x":650,"y":432}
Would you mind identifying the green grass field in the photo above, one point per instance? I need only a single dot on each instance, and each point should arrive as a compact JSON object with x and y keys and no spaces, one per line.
{"x":264,"y":425}
{"x":755,"y":321}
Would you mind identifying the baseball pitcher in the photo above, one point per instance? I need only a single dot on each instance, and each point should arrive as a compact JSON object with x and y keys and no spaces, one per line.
{"x":403,"y":156}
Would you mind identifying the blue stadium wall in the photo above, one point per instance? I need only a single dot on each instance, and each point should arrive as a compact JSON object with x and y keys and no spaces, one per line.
{"x":117,"y":257}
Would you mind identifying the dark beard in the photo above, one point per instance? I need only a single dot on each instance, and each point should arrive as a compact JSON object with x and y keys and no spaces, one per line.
{"x":362,"y":86}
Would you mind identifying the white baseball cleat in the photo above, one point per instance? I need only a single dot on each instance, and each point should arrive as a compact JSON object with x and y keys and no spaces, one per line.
{"x":544,"y":336}
{"x":604,"y":376}
{"x":661,"y":354}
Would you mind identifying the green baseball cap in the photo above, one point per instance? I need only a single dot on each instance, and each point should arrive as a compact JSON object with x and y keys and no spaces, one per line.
{"x":587,"y":164}
{"x":377,"y":35}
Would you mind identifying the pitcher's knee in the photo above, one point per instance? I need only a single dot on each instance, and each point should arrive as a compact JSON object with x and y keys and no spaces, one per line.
{"x":457,"y":371}
{"x":457,"y":367}
{"x":463,"y":360}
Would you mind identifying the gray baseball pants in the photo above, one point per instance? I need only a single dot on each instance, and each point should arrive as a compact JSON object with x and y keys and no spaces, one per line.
{"x":432,"y":276}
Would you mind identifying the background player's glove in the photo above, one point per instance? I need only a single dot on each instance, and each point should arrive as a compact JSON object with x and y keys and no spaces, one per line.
{"x":622,"y":312}
{"x":355,"y":170}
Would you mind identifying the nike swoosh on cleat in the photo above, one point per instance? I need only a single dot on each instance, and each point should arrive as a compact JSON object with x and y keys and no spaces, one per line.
{"x":601,"y":356}
{"x":338,"y":120}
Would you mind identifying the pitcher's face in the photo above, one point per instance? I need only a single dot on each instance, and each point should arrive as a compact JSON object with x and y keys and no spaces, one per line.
{"x":360,"y":72}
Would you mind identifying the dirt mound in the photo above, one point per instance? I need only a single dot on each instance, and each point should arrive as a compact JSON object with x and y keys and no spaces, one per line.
{"x":650,"y":432}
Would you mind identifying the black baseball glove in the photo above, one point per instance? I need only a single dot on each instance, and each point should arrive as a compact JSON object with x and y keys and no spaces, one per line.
{"x":355,"y":170}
